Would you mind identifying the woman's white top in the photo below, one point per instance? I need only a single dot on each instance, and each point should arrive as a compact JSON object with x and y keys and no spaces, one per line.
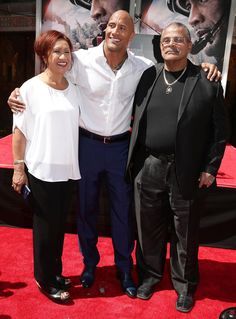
{"x":50,"y":125}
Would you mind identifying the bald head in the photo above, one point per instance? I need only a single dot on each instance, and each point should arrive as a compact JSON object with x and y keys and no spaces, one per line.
{"x":119,"y":32}
{"x":125,"y":16}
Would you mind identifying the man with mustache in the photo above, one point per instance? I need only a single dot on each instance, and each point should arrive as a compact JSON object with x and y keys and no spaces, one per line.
{"x":177,"y":144}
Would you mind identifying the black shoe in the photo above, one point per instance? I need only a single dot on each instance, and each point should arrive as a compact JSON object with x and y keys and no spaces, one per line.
{"x":88,"y":276}
{"x":184,"y":303}
{"x":57,"y":295}
{"x":127,"y":284}
{"x":229,"y":313}
{"x":63,"y":282}
{"x":145,"y":291}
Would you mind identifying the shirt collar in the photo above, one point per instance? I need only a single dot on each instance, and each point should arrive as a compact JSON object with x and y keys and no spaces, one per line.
{"x":100,"y":57}
{"x":100,"y":53}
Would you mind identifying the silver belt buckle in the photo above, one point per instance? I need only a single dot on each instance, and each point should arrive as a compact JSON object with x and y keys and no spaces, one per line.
{"x":106,"y":140}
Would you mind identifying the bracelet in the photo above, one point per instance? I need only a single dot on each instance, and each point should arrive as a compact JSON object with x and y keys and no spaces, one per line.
{"x":18,"y":162}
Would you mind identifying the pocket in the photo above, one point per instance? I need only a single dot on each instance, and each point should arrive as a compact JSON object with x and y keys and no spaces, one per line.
{"x":154,"y":172}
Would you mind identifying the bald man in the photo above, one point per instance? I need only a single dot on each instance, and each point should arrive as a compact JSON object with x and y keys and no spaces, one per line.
{"x":108,"y":76}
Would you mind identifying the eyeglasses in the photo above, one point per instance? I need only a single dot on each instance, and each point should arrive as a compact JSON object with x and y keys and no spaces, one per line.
{"x":176,"y":40}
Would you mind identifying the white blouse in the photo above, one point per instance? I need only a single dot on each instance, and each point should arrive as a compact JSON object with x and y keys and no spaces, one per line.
{"x":50,"y":125}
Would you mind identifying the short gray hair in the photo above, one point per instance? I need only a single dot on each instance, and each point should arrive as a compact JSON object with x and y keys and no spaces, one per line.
{"x":179,"y":25}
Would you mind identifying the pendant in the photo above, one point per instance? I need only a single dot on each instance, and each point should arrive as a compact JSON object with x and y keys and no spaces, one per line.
{"x":168,"y":89}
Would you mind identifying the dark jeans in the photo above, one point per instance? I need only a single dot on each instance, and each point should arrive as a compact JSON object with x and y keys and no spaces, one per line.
{"x":160,"y":207}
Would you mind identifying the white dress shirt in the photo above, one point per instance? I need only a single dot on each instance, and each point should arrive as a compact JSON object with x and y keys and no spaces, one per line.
{"x":106,"y":99}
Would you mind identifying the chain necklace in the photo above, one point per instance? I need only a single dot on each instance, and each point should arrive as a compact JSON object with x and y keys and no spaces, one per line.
{"x":118,"y":66}
{"x":169,"y":88}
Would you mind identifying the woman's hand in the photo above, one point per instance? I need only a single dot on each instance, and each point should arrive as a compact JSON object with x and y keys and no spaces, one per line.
{"x":19,"y":178}
{"x":206,"y":179}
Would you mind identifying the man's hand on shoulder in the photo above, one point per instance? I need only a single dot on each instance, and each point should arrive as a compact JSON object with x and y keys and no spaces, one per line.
{"x":213,"y":74}
{"x":14,"y":102}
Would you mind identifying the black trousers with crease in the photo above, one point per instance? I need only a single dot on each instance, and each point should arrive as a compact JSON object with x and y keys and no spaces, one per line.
{"x":160,"y":208}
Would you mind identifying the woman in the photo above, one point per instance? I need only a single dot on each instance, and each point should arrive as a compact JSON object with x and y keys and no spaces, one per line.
{"x":45,"y":143}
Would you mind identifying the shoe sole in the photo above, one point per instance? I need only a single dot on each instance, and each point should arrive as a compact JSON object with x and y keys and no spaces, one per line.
{"x":144,"y":298}
{"x":130,"y":296}
{"x":184,"y":310}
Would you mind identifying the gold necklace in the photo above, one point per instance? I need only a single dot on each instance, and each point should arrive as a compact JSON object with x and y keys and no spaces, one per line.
{"x":169,"y":88}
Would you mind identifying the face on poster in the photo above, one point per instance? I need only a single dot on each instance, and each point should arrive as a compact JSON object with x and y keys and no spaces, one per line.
{"x":84,"y":21}
{"x":207,"y":21}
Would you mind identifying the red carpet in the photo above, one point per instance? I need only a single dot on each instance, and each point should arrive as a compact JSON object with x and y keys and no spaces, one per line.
{"x":5,"y":152}
{"x":20,"y":298}
{"x":226,"y":176}
{"x":227,"y":173}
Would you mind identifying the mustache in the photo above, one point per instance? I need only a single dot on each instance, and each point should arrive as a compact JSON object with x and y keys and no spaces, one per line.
{"x":172,"y":50}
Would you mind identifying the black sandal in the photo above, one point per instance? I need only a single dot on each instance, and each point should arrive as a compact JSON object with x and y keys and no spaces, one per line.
{"x":63,"y":282}
{"x":57,"y":295}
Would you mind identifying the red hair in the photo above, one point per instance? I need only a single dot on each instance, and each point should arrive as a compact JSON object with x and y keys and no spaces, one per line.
{"x":45,"y":42}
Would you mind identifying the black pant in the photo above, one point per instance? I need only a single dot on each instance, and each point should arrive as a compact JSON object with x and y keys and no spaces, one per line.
{"x":160,"y":207}
{"x":51,"y":202}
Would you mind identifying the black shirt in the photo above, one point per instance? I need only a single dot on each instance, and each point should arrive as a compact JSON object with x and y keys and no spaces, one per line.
{"x":159,"y":122}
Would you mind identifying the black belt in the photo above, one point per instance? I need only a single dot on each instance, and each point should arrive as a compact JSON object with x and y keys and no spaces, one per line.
{"x":105,"y":139}
{"x":161,"y":156}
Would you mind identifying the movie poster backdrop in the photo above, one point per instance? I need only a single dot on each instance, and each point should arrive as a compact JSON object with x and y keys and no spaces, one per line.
{"x":210,"y":23}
